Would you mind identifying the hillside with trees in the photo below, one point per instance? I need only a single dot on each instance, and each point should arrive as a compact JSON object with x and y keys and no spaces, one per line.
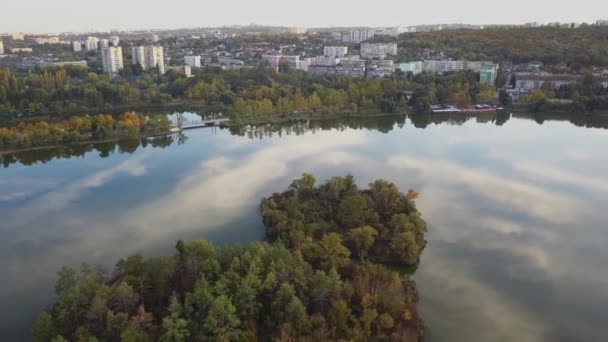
{"x":578,"y":48}
{"x":320,"y":276}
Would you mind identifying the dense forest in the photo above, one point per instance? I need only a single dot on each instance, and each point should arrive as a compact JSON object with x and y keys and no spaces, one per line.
{"x":82,"y":128}
{"x":320,"y":276}
{"x":577,"y":48}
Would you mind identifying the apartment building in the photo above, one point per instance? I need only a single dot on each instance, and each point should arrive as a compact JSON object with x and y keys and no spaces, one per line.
{"x":112,"y":60}
{"x":379,"y":51}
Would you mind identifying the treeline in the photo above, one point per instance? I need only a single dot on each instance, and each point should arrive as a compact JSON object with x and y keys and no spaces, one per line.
{"x":73,"y":89}
{"x":244,"y":92}
{"x":577,"y":48}
{"x":82,"y":128}
{"x":316,"y":282}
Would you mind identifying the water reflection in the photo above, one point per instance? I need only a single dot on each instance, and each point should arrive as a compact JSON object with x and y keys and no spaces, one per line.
{"x":516,"y":212}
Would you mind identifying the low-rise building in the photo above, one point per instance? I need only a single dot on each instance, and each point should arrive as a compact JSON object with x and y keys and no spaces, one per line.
{"x":347,"y":67}
{"x":227,"y":63}
{"x":378,"y":50}
{"x":381,"y":69}
{"x":193,"y":61}
{"x":488,"y":71}
{"x":293,"y":62}
{"x":54,"y":64}
{"x":323,"y":60}
{"x":488,"y":74}
{"x":21,"y":50}
{"x":47,"y":40}
{"x":185,"y":70}
{"x":297,"y":30}
{"x":272,"y":60}
{"x":392,"y":31}
{"x":414,"y":67}
{"x":335,"y":51}
{"x":530,"y":81}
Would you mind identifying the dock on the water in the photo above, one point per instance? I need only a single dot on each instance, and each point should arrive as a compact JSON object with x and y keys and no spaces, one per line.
{"x":199,"y":124}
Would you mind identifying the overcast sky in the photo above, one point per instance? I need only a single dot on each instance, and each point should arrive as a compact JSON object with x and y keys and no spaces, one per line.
{"x":83,"y":15}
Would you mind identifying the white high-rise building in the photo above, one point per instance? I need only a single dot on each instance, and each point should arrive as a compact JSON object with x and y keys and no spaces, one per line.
{"x":357,"y":36}
{"x":104,"y":43}
{"x":149,"y":57}
{"x":155,"y":58}
{"x":193,"y":61}
{"x":91,"y":44}
{"x":76,"y":46}
{"x":138,"y":55}
{"x":112,"y":60}
{"x":1,"y":48}
{"x":154,"y":38}
{"x":335,"y":51}
{"x":114,"y":40}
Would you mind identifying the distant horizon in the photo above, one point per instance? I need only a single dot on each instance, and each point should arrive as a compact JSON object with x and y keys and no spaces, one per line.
{"x":256,"y":25}
{"x":71,"y":16}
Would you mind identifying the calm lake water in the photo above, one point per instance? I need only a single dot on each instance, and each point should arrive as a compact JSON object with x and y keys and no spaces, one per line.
{"x":517,"y":212}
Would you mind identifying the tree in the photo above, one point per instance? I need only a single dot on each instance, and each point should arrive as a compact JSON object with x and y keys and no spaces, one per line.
{"x":363,"y":239}
{"x":304,"y":184}
{"x":174,"y":327}
{"x":487,"y":93}
{"x":333,"y":252}
{"x":123,"y":298}
{"x":44,"y":328}
{"x":222,"y":322}
{"x":352,"y":211}
{"x":504,"y":98}
{"x":66,"y":281}
{"x":339,"y":318}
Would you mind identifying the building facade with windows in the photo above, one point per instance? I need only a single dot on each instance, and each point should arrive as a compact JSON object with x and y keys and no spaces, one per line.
{"x":357,"y":36}
{"x":335,"y":51}
{"x":112,"y":60}
{"x":193,"y":61}
{"x":380,"y":51}
{"x":91,"y":44}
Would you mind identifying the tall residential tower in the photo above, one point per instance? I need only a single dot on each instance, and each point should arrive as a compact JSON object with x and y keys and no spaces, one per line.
{"x":112,"y":60}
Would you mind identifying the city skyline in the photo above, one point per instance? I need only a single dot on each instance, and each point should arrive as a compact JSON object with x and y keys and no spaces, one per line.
{"x":58,"y":15}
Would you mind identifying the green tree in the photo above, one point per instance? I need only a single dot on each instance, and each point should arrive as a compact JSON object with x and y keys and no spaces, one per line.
{"x":44,"y":328}
{"x":222,"y":323}
{"x":333,"y":252}
{"x":174,"y":327}
{"x":363,"y":238}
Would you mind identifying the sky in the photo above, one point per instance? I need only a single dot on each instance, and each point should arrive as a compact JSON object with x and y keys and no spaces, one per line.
{"x":86,"y":15}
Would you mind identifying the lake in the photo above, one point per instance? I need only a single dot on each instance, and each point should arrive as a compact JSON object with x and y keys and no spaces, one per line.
{"x":516,"y":208}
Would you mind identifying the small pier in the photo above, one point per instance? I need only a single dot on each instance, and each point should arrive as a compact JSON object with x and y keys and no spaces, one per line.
{"x":199,"y":124}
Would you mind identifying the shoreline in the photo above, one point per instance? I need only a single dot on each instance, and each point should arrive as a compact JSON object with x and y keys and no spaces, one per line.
{"x":81,"y":143}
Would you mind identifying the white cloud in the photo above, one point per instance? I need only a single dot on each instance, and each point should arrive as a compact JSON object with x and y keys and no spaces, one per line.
{"x":527,"y":198}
